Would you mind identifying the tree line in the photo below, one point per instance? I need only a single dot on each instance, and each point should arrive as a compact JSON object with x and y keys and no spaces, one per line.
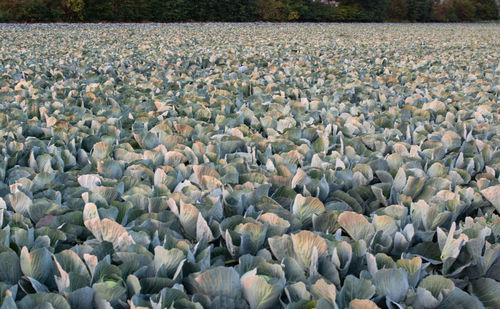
{"x":247,"y":10}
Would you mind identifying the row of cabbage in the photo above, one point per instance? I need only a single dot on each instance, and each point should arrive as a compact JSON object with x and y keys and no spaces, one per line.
{"x":250,"y":166}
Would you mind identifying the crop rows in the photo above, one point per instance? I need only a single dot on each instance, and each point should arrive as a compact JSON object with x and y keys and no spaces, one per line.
{"x":250,"y":166}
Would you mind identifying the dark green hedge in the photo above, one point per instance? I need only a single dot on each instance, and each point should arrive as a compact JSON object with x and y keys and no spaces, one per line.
{"x":246,"y":10}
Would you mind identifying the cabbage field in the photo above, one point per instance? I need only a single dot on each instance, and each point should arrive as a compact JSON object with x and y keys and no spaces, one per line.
{"x":250,"y":166}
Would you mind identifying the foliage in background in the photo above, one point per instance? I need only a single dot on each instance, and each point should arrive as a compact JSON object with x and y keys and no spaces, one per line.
{"x":397,"y":10}
{"x":246,"y":10}
{"x":73,"y":9}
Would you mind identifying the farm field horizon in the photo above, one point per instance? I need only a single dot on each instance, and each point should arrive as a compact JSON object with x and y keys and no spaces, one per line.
{"x":252,"y":165}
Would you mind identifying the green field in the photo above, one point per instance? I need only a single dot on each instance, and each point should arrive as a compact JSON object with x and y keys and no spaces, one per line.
{"x":250,"y":166}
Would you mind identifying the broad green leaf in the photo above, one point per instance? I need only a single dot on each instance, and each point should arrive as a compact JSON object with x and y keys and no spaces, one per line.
{"x":460,"y":300}
{"x":305,"y":207}
{"x":354,"y":288}
{"x":492,"y":194}
{"x":277,"y":225}
{"x":356,"y":225}
{"x":34,"y":300}
{"x":110,"y":291}
{"x":188,"y":218}
{"x":82,"y":298}
{"x":437,"y":285}
{"x":304,"y":243}
{"x":392,"y":283}
{"x":488,"y":292}
{"x":116,"y":234}
{"x":10,"y":271}
{"x":321,"y":289}
{"x":71,"y":262}
{"x":297,"y":291}
{"x":171,"y":296}
{"x":167,"y":259}
{"x":281,"y":246}
{"x":37,"y":264}
{"x":216,"y":281}
{"x":259,"y":293}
